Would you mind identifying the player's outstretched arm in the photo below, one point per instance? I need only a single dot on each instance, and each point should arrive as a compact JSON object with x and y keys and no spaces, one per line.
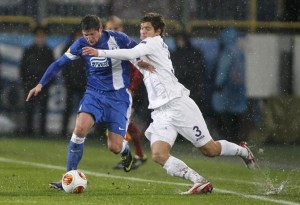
{"x":121,"y":54}
{"x":34,"y":91}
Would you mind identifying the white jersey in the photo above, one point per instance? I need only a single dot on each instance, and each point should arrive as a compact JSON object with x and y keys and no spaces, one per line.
{"x":162,"y":85}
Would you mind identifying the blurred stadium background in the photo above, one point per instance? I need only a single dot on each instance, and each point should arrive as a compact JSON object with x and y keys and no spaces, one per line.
{"x":272,"y":43}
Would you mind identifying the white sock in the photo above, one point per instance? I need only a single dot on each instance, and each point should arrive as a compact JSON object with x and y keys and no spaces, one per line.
{"x":176,"y":167}
{"x":76,"y":139}
{"x":125,"y":147}
{"x":231,"y":149}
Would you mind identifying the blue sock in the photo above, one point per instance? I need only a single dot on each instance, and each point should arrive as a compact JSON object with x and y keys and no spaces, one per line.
{"x":75,"y":152}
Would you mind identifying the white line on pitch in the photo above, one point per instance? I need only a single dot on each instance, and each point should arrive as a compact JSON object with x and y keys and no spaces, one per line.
{"x":48,"y":166}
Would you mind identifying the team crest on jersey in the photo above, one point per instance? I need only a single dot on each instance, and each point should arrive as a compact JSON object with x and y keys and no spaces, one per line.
{"x":99,"y":62}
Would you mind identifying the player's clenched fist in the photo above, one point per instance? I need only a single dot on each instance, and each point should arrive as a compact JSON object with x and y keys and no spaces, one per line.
{"x":34,"y":91}
{"x":89,"y":51}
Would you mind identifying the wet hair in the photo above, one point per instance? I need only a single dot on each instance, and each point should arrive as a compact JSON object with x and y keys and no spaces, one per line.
{"x":90,"y":22}
{"x":156,"y":20}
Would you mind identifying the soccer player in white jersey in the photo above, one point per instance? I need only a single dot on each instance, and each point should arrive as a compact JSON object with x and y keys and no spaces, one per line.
{"x":173,"y":110}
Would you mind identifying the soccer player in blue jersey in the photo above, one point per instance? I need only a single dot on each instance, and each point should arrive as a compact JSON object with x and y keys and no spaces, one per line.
{"x":106,"y":98}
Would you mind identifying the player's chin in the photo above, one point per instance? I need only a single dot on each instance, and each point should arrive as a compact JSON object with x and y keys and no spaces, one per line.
{"x":92,"y":43}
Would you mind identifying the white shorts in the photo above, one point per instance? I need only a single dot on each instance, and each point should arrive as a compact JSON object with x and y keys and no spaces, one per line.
{"x":182,"y":116}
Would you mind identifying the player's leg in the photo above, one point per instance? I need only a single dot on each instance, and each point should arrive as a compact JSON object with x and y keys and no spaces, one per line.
{"x":118,"y":145}
{"x":173,"y":166}
{"x":162,"y":136}
{"x":195,"y":130}
{"x":136,"y":136}
{"x":117,"y":115}
{"x":226,"y":148}
{"x":176,"y":167}
{"x":84,"y":122}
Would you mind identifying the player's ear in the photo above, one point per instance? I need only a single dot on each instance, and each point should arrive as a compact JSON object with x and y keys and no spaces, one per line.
{"x":158,"y":32}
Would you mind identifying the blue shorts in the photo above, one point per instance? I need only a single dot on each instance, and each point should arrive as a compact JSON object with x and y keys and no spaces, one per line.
{"x":112,"y":108}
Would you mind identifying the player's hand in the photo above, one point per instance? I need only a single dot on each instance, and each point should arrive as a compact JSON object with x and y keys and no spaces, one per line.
{"x":34,"y":91}
{"x":89,"y":51}
{"x":146,"y":66}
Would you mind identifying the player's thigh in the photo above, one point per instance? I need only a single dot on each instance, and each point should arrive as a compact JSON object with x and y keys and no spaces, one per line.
{"x":116,"y":120}
{"x":84,"y":122}
{"x":161,"y":129}
{"x":190,"y":123}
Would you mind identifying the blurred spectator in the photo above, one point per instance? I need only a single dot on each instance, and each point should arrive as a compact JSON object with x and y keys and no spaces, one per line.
{"x":229,"y":97}
{"x":190,"y":69}
{"x":35,"y":60}
{"x":75,"y":82}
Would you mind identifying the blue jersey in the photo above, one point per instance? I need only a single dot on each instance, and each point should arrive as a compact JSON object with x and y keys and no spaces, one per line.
{"x":106,"y":98}
{"x":103,"y":74}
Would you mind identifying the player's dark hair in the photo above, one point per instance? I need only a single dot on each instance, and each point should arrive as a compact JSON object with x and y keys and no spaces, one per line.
{"x":156,"y":20}
{"x":90,"y":22}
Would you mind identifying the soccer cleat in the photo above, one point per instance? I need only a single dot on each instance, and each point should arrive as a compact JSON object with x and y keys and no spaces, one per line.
{"x":138,"y":161}
{"x":127,"y":162}
{"x":250,"y":160}
{"x":199,"y":188}
{"x":118,"y":166}
{"x":55,"y":186}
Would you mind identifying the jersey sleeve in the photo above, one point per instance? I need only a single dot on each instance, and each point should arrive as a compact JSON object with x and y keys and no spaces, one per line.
{"x":73,"y":53}
{"x":126,"y":40}
{"x":145,"y":47}
{"x":53,"y":69}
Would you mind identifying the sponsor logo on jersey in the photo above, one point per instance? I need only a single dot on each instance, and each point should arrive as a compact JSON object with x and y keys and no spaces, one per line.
{"x":143,"y":42}
{"x":99,"y":62}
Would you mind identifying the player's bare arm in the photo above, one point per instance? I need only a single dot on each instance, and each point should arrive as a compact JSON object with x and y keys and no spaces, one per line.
{"x":34,"y":91}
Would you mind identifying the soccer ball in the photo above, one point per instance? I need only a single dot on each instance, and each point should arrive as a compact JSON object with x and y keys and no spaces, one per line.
{"x":74,"y":181}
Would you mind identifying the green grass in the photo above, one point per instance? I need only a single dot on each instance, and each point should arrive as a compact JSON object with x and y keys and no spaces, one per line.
{"x":28,"y":165}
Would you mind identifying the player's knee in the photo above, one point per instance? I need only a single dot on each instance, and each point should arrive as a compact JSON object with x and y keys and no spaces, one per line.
{"x":81,"y":130}
{"x":159,"y":157}
{"x":210,"y":151}
{"x":114,"y":148}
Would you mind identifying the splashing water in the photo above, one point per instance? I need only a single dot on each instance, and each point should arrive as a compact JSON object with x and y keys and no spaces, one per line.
{"x":276,"y":191}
